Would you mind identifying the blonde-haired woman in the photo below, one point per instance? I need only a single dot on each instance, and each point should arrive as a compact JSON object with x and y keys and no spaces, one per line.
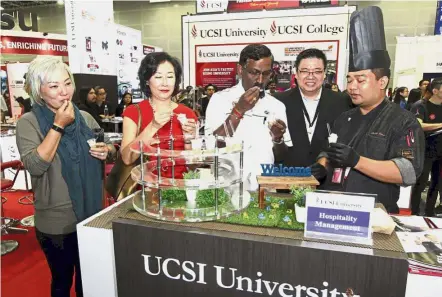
{"x":66,"y":173}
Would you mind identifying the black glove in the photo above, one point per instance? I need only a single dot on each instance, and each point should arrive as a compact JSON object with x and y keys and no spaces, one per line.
{"x":318,"y":171}
{"x":343,"y":155}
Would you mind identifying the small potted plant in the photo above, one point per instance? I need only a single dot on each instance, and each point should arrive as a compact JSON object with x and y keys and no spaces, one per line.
{"x":192,"y":181}
{"x":299,"y":201}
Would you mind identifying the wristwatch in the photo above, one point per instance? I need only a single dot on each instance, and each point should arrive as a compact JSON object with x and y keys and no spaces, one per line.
{"x":58,"y":129}
{"x":278,"y":141}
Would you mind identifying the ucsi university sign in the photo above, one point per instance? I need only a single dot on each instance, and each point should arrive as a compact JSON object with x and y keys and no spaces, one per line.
{"x":273,"y":29}
{"x":167,"y":260}
{"x":231,"y":279}
{"x":11,"y":20}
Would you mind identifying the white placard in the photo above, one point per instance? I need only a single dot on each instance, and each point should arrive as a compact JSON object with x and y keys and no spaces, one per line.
{"x":339,"y":216}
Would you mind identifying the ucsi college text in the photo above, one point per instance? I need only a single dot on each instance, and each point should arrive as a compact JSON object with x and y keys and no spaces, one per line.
{"x":230,"y":279}
{"x":282,"y":30}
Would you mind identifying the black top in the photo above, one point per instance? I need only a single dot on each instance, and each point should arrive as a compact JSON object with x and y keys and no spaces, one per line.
{"x":430,"y":113}
{"x":204,"y":103}
{"x":120,"y":109}
{"x":386,"y":133}
{"x":92,"y":109}
{"x":331,"y":105}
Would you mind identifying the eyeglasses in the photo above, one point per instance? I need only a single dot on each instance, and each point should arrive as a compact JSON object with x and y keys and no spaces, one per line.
{"x":256,"y":73}
{"x":308,"y":73}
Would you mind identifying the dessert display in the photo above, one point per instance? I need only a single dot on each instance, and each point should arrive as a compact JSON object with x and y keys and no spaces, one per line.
{"x":203,"y":183}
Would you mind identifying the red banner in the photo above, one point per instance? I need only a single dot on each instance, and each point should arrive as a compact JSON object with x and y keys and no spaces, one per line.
{"x":268,"y":5}
{"x":33,"y":46}
{"x":220,"y":74}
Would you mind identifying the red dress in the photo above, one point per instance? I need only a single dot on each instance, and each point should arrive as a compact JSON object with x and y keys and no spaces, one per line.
{"x":164,"y":132}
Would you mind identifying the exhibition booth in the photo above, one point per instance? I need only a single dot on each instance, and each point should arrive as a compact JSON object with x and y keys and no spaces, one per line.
{"x":207,"y":234}
{"x":151,"y":243}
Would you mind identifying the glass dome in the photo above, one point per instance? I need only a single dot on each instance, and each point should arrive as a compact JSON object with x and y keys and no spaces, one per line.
{"x":190,"y":180}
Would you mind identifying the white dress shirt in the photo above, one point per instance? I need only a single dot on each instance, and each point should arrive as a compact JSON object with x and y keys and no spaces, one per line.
{"x":311,"y":105}
{"x":253,"y":128}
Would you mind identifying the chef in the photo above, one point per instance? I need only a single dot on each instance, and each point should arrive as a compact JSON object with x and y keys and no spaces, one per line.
{"x":379,"y":146}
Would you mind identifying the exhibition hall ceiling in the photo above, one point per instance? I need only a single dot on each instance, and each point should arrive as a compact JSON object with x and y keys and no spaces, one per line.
{"x":23,"y":4}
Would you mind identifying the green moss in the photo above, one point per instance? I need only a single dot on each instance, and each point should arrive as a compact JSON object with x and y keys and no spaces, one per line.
{"x":176,"y":198}
{"x":173,"y":195}
{"x":276,"y":213}
{"x":206,"y":198}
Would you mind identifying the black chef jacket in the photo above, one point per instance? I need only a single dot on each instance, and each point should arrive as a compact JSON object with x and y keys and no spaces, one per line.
{"x":386,"y":133}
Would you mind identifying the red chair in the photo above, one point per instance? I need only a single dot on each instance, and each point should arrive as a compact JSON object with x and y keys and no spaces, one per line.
{"x":8,"y":184}
{"x":8,"y":225}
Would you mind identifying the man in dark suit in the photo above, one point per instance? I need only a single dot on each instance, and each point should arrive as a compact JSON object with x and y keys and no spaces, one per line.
{"x":309,"y":108}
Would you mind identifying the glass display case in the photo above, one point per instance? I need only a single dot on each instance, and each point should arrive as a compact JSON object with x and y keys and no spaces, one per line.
{"x":190,"y":180}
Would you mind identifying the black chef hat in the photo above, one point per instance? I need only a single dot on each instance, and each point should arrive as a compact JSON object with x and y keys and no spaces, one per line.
{"x":368,"y":48}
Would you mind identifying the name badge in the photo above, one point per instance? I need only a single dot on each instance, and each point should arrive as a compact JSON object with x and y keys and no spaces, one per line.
{"x":339,"y":216}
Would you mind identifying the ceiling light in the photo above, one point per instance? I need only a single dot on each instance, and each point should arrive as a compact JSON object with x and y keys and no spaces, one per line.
{"x":60,"y":2}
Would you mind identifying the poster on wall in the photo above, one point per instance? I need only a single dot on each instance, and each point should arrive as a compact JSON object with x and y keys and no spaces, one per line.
{"x":212,"y":43}
{"x":91,"y":37}
{"x":129,"y":54}
{"x":16,"y":82}
{"x":216,"y":64}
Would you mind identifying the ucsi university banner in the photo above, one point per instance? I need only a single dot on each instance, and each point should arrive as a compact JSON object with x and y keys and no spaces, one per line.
{"x":204,"y":6}
{"x":212,"y":42}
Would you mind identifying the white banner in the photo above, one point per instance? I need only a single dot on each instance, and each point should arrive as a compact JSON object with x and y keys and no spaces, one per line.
{"x":130,"y":54}
{"x":91,"y":37}
{"x":16,"y":82}
{"x":417,"y":58}
{"x":215,"y":41}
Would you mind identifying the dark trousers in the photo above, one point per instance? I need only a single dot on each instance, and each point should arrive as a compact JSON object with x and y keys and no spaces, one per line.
{"x":432,"y":166}
{"x":61,"y":253}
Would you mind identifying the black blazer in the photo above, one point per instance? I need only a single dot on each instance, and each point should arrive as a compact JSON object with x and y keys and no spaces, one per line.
{"x":331,"y":105}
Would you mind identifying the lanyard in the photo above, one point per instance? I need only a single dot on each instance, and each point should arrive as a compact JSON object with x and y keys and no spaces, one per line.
{"x":311,"y":123}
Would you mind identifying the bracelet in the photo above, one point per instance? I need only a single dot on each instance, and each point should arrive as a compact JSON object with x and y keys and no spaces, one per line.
{"x":281,"y":141}
{"x":237,"y":114}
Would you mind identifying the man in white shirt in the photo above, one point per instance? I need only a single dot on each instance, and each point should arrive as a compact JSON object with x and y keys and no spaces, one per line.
{"x":248,"y":113}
